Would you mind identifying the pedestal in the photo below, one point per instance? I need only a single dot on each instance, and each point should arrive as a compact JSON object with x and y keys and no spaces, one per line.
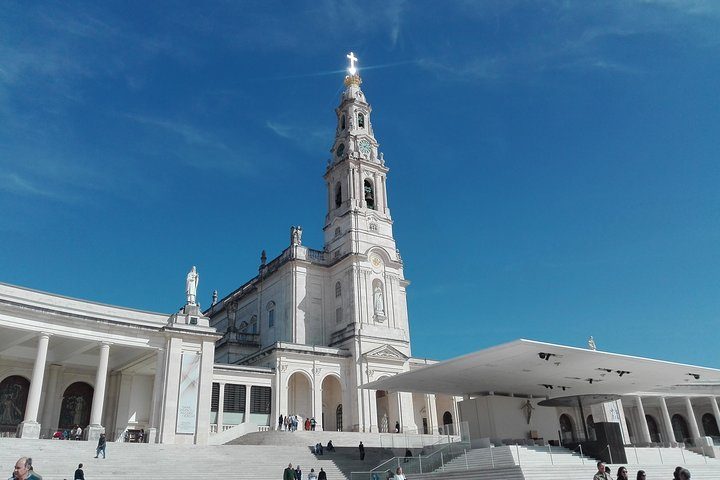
{"x":93,"y":432}
{"x":151,"y":435}
{"x":28,"y":430}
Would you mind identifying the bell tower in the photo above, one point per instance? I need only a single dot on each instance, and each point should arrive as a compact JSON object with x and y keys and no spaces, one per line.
{"x":358,"y":215}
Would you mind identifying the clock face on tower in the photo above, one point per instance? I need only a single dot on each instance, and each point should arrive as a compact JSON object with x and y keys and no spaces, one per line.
{"x":364,"y":147}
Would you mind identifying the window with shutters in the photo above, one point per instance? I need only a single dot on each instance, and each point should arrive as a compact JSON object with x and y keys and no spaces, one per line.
{"x":215,"y":397}
{"x":260,"y":398}
{"x":234,"y":398}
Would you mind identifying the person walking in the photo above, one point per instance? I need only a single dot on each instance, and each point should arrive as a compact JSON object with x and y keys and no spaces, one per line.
{"x":397,"y":427}
{"x":298,"y":473}
{"x":622,"y":473}
{"x":322,"y":475}
{"x":79,"y":474}
{"x":684,"y":474}
{"x":361,"y":449}
{"x":280,"y":422}
{"x":312,"y":475}
{"x":100,"y":446}
{"x":399,"y":474}
{"x":289,"y":473}
{"x":641,"y":475}
{"x":312,"y":424}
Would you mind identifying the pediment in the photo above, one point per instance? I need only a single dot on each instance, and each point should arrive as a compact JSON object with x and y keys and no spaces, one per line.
{"x":386,"y":353}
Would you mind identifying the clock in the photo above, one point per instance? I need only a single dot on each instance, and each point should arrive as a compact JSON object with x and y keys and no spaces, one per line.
{"x":364,"y":147}
{"x":340,"y":150}
{"x":376,"y":262}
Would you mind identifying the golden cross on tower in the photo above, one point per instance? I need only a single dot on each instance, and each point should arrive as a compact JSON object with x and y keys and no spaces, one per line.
{"x":352,"y":70}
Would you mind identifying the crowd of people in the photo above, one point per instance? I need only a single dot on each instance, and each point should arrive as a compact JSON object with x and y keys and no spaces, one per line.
{"x":604,"y":473}
{"x":290,"y":423}
{"x":74,"y":433}
{"x":296,"y":473}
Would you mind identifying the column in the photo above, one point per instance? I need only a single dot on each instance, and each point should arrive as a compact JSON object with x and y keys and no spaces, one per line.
{"x":248,"y":403}
{"x":692,"y":422}
{"x":50,"y":407}
{"x":715,"y":409}
{"x":456,"y":416}
{"x":156,"y":402}
{"x":317,"y":403}
{"x":30,"y":428}
{"x":644,"y":430}
{"x":431,"y":407}
{"x":221,"y":407}
{"x":667,"y":424}
{"x":407,"y":413}
{"x":95,"y":428}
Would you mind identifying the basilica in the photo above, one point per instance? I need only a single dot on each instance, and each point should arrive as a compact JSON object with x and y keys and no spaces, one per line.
{"x":323,"y":333}
{"x":300,"y":338}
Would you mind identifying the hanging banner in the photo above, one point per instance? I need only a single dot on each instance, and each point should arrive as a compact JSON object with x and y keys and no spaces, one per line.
{"x":188,"y":395}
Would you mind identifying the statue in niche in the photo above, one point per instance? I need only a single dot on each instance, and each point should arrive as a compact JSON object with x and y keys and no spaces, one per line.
{"x":191,"y":284}
{"x":11,"y":414}
{"x":379,"y":301}
{"x":79,"y":410}
{"x":296,"y":235}
{"x":528,"y":407}
{"x":384,"y":423}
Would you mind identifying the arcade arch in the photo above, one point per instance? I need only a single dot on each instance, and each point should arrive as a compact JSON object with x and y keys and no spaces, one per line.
{"x":331,"y":402}
{"x":300,"y":395}
{"x":567,"y":428}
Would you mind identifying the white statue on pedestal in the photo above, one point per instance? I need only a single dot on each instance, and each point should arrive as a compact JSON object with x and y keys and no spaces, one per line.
{"x":591,"y":343}
{"x":191,"y":284}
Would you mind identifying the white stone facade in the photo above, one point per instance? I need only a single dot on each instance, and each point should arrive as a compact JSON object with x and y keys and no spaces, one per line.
{"x":330,"y":320}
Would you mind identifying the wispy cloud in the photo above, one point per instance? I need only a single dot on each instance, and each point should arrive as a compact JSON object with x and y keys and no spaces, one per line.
{"x":308,"y":138}
{"x":191,"y":135}
{"x":14,"y":183}
{"x":576,"y":37}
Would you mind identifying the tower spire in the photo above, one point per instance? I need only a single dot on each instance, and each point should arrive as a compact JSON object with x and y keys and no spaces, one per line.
{"x":353,"y":77}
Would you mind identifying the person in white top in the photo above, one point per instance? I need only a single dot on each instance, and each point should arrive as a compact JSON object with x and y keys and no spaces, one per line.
{"x":312,"y":475}
{"x":399,"y":474}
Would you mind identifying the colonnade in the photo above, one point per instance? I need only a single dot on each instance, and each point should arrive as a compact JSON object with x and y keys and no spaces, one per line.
{"x":667,"y":428}
{"x":30,"y":427}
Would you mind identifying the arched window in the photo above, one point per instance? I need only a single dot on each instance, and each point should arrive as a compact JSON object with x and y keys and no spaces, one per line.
{"x":342,"y":123}
{"x":369,"y":193}
{"x":680,"y":428}
{"x":338,"y":289}
{"x":567,"y":430}
{"x":13,"y":397}
{"x":654,"y":430}
{"x":591,"y":428}
{"x":253,"y":324}
{"x":710,"y":426}
{"x":271,"y":314}
{"x":338,"y":194}
{"x":361,"y":120}
{"x":243,"y":327}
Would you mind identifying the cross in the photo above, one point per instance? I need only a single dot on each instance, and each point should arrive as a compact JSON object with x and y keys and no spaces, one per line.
{"x":353,"y":59}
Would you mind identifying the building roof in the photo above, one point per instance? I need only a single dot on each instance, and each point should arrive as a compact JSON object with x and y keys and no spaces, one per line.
{"x":528,"y":367}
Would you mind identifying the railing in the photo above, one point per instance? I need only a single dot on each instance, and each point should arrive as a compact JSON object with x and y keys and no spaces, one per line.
{"x":444,"y":448}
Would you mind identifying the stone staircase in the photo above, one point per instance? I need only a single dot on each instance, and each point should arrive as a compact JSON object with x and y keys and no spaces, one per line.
{"x":341,"y":439}
{"x":535,"y":463}
{"x":57,"y":460}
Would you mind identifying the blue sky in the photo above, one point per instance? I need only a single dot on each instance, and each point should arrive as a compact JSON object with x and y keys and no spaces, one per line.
{"x":554,"y":165}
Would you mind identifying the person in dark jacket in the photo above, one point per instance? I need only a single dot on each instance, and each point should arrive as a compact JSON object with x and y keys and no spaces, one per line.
{"x":289,"y":473}
{"x":322,"y":475}
{"x":361,"y":449}
{"x":298,"y":473}
{"x":100,"y":446}
{"x":79,"y":474}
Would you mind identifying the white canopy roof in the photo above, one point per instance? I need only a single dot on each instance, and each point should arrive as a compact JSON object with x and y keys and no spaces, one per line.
{"x":527,"y":367}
